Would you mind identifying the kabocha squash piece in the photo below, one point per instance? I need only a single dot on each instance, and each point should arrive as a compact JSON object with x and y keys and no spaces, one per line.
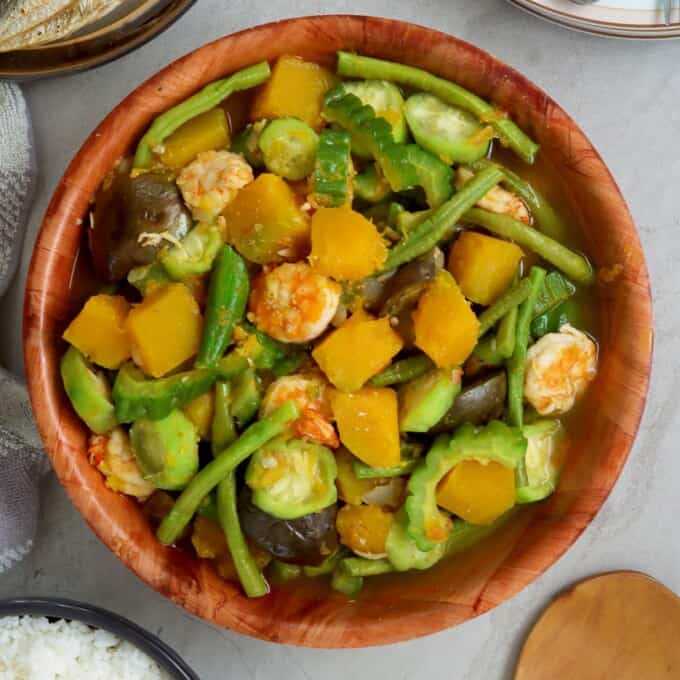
{"x":295,"y":88}
{"x":445,"y":326}
{"x":205,"y":132}
{"x":351,"y":489}
{"x":497,"y":443}
{"x":478,"y":492}
{"x":200,"y":411}
{"x":368,"y":424}
{"x":345,"y":245}
{"x":483,"y":266}
{"x":265,"y":223}
{"x":165,"y":329}
{"x":208,"y":539}
{"x":99,"y":331}
{"x":364,"y":529}
{"x":341,"y":354}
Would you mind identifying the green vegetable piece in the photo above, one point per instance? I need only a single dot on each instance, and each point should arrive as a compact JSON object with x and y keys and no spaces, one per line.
{"x":574,"y":265}
{"x":227,"y":300}
{"x":289,"y":364}
{"x":402,"y":371}
{"x":551,"y":322}
{"x":256,"y":436}
{"x":453,"y":134}
{"x":404,"y":166}
{"x":407,"y":221}
{"x":327,"y":566}
{"x":544,"y":438}
{"x":356,"y":66}
{"x":344,"y":583}
{"x":223,"y":426}
{"x":386,"y":101}
{"x":486,"y":354}
{"x":545,"y":216}
{"x":261,"y":351}
{"x":208,"y":507}
{"x":556,"y":289}
{"x":246,"y":397}
{"x":194,"y":254}
{"x":249,"y":574}
{"x":288,"y":147}
{"x":371,"y":186}
{"x":333,"y":169}
{"x":517,"y":362}
{"x":508,"y":301}
{"x":293,"y":478}
{"x":361,"y":566}
{"x":135,"y":397}
{"x":364,"y":471}
{"x":282,"y":571}
{"x":204,"y":100}
{"x":441,"y":223}
{"x":506,"y":334}
{"x":423,"y":401}
{"x":88,"y":391}
{"x":465,"y":535}
{"x":166,"y":450}
{"x":477,"y":403}
{"x":247,"y":143}
{"x":146,"y":277}
{"x":402,"y":551}
{"x":497,"y":442}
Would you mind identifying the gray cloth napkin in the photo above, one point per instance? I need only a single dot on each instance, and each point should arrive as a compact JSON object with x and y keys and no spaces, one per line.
{"x":22,"y":460}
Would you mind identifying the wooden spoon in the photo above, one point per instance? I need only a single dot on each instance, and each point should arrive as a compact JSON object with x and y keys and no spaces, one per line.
{"x":623,"y":625}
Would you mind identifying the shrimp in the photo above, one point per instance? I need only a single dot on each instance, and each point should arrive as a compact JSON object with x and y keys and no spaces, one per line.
{"x":310,"y":394}
{"x":497,"y":199}
{"x":560,"y":366}
{"x":292,"y":303}
{"x":112,"y":455}
{"x":211,"y":181}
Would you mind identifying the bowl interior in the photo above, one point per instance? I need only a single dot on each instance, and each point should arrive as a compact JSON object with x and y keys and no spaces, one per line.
{"x":400,"y":607}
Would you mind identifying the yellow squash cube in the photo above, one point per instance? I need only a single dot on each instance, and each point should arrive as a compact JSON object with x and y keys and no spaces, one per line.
{"x":368,"y":424}
{"x":364,"y":528}
{"x":445,"y":326}
{"x":99,"y":330}
{"x":345,"y":245}
{"x":295,"y":88}
{"x":265,"y":223}
{"x":351,"y":489}
{"x":483,"y":266}
{"x":478,"y":493}
{"x":200,"y":412}
{"x":205,"y":132}
{"x":165,"y":329}
{"x":356,"y":351}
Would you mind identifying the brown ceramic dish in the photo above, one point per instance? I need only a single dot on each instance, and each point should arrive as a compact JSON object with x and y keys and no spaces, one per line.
{"x":402,"y":607}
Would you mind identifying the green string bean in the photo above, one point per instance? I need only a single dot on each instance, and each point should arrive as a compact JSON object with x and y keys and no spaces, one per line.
{"x":204,"y":100}
{"x":575,"y":266}
{"x":402,"y":371}
{"x":516,"y":365}
{"x":356,"y":66}
{"x":510,"y":299}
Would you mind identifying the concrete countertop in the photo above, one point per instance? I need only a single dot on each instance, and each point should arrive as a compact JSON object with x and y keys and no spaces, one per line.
{"x":625,"y":96}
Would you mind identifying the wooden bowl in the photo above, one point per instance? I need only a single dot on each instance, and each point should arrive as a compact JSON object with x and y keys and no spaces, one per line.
{"x":394,"y":608}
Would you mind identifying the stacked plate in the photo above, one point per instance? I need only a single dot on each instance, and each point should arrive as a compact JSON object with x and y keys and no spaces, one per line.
{"x":50,"y":37}
{"x":639,"y":19}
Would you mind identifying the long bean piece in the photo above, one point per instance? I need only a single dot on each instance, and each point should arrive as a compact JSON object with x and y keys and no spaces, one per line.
{"x":506,"y":334}
{"x":356,"y":66}
{"x":214,"y":472}
{"x":510,"y":299}
{"x":402,"y":371}
{"x":204,"y":100}
{"x":443,"y":220}
{"x":254,"y":584}
{"x":575,"y":266}
{"x":545,"y":216}
{"x":227,"y":300}
{"x":360,"y":566}
{"x":517,"y":362}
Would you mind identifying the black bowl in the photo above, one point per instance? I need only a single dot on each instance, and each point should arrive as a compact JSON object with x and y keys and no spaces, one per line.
{"x":96,"y":617}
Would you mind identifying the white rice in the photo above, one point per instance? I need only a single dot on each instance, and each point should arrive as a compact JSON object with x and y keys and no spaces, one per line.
{"x":32,"y":648}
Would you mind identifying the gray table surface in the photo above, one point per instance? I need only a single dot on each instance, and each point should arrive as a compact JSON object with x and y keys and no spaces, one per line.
{"x":625,"y":96}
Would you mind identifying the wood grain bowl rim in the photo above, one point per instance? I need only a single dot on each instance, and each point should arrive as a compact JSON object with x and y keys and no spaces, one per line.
{"x":530,"y":546}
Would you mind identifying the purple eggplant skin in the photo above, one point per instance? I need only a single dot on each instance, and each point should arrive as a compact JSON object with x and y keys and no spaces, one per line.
{"x":307,"y":540}
{"x":126,"y":207}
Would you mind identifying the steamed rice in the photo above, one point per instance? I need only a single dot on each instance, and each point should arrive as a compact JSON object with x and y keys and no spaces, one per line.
{"x":32,"y":648}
